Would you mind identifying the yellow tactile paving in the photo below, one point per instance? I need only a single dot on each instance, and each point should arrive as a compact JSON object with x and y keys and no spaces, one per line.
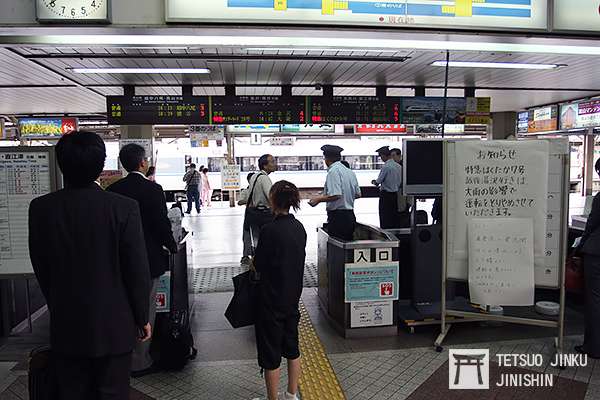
{"x":318,"y":380}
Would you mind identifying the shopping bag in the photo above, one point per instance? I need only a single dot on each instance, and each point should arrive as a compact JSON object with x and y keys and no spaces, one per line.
{"x":241,"y":311}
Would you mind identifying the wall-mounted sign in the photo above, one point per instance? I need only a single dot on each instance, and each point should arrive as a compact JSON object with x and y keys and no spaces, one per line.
{"x":468,"y":14}
{"x":253,"y":128}
{"x":371,"y":313}
{"x":282,"y":141}
{"x":230,"y":177}
{"x":430,"y":110}
{"x":73,"y":10}
{"x":257,"y":109}
{"x":478,"y":110}
{"x":585,"y":114}
{"x":307,"y":128}
{"x":154,"y":110}
{"x":46,"y":128}
{"x":379,"y":128}
{"x":208,"y":132}
{"x":579,"y":15}
{"x":371,"y":281}
{"x":256,"y":138}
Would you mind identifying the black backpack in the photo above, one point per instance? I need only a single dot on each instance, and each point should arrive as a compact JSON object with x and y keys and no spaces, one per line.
{"x":173,"y":342}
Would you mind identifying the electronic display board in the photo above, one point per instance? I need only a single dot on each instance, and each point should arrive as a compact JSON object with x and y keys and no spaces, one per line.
{"x":151,"y":110}
{"x":235,"y":110}
{"x":355,"y":109}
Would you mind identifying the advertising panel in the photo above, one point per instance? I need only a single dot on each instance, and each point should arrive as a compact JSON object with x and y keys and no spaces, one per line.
{"x":46,"y":128}
{"x":585,"y":114}
{"x":468,"y":14}
{"x":363,"y":129}
{"x":307,"y":128}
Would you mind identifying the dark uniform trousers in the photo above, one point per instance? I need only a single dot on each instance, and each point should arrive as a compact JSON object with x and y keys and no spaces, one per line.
{"x":104,"y":378}
{"x":341,"y":224}
{"x":591,"y":341}
{"x":388,"y":210}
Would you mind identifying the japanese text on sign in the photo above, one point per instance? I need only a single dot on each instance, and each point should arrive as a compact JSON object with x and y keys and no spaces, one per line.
{"x":501,"y":269}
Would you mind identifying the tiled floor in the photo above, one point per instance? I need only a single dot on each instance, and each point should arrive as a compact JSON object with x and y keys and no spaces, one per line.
{"x":385,"y":368}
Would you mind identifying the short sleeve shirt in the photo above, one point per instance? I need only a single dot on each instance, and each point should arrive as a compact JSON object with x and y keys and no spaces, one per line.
{"x":390,"y":177}
{"x":341,"y":181}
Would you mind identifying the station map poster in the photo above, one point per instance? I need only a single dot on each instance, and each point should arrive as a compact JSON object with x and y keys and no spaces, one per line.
{"x":498,"y":179}
{"x":503,"y":14}
{"x":501,"y":271}
{"x":23,"y":177}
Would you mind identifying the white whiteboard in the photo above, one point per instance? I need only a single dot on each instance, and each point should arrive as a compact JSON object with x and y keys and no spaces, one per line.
{"x":548,"y":247}
{"x":23,"y":177}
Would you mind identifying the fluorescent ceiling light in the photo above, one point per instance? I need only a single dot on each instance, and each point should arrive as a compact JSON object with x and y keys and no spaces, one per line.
{"x":504,"y":65}
{"x":140,"y":70}
{"x":294,"y":41}
{"x":320,"y":49}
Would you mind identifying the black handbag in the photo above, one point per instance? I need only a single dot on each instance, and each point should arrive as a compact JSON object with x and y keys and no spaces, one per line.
{"x":241,"y":311}
{"x":254,"y":216}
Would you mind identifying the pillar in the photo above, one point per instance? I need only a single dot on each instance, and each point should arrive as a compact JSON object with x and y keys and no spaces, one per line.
{"x":588,"y":167}
{"x":504,"y":124}
{"x":143,"y":133}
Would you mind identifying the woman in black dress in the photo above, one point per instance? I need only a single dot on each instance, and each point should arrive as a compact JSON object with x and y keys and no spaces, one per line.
{"x":279,"y":259}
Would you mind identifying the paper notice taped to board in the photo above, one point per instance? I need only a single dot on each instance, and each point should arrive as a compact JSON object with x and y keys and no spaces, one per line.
{"x":500,"y":179}
{"x":371,"y":313}
{"x":501,"y":261}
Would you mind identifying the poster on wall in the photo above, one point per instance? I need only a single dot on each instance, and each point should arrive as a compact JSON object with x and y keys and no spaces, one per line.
{"x":430,"y":110}
{"x":585,"y":114}
{"x":538,"y":120}
{"x":501,"y":269}
{"x":367,"y":314}
{"x":46,"y":128}
{"x":505,"y":14}
{"x":478,"y":111}
{"x":163,"y":293}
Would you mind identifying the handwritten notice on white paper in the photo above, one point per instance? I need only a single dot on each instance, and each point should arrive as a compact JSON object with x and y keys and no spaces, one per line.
{"x":501,"y":179}
{"x":501,"y":261}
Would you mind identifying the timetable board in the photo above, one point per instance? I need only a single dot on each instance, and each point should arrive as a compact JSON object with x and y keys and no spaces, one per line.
{"x":24,"y":175}
{"x":549,"y":254}
{"x":355,"y":110}
{"x":235,"y":110}
{"x":289,"y":110}
{"x":154,"y":110}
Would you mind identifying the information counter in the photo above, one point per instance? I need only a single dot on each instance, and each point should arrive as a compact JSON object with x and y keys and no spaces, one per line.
{"x":359,"y":282}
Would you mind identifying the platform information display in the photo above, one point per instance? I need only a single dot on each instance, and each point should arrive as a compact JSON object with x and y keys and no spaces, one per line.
{"x":525,"y":14}
{"x":152,"y":110}
{"x":23,"y":177}
{"x":355,"y":110}
{"x":234,"y":110}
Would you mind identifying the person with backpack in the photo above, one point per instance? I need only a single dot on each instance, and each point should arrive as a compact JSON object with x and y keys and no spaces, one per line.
{"x":258,"y":208}
{"x":193,"y":182}
{"x":279,"y":261}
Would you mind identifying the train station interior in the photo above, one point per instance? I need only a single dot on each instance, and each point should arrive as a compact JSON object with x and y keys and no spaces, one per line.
{"x":220,"y":83}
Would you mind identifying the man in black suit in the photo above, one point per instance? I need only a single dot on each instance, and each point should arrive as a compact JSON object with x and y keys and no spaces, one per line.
{"x":88,"y":254}
{"x":157,"y":232}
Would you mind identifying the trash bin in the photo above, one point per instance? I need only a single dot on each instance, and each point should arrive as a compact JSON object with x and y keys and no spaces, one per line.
{"x":359,"y":282}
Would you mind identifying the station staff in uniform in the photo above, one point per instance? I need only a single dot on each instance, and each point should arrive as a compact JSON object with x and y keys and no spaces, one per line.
{"x":389,"y":183}
{"x":341,"y":189}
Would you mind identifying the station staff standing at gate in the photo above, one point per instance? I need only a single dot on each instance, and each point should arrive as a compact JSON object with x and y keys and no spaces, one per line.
{"x":389,"y":183}
{"x":341,"y":189}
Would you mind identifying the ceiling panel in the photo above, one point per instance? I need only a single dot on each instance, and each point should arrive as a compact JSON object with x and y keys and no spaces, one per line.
{"x":365,"y":69}
{"x":72,"y":100}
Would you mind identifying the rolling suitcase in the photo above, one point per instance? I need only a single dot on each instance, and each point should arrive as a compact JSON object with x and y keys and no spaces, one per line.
{"x":173,"y":342}
{"x":42,"y":378}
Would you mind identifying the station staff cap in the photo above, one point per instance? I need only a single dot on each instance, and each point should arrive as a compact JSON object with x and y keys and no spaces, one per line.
{"x":384,"y":150}
{"x":331,"y":150}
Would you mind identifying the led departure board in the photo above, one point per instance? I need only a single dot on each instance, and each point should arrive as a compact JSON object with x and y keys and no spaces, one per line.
{"x":151,"y":110}
{"x":355,"y":110}
{"x":235,"y":110}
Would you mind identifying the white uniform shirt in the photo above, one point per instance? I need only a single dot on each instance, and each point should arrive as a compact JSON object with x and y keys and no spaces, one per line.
{"x":390,"y":177}
{"x":341,"y":181}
